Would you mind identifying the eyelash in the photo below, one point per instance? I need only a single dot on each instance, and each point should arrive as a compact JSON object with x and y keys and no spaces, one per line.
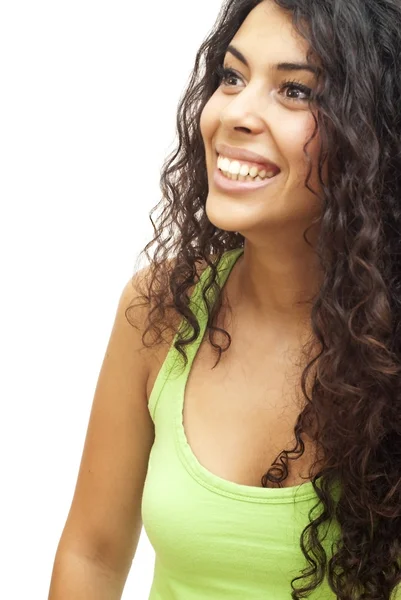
{"x":224,"y":73}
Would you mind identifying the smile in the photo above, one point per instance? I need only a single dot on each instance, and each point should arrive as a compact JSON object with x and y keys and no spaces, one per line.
{"x":226,"y":184}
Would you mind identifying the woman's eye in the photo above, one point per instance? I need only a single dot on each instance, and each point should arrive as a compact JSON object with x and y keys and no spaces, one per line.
{"x":299,"y":88}
{"x":226,"y":76}
{"x":230,"y":78}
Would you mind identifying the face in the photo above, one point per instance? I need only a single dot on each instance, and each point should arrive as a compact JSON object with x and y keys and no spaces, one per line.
{"x":258,"y":108}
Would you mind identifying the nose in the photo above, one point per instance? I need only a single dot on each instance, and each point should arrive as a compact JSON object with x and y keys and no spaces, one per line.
{"x":245,"y":122}
{"x":244,"y":113}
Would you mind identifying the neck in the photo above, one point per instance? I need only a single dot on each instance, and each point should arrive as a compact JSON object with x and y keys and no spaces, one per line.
{"x":275,"y":285}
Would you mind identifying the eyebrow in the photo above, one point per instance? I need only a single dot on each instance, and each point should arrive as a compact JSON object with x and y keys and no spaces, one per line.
{"x":284,"y":66}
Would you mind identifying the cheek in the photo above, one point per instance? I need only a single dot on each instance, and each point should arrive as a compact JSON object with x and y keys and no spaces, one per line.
{"x":292,"y":136}
{"x":209,"y":120}
{"x":300,"y":160}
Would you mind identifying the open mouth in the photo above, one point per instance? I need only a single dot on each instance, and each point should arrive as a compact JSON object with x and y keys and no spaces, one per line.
{"x":247,"y":178}
{"x":236,"y":170}
{"x":236,"y":186}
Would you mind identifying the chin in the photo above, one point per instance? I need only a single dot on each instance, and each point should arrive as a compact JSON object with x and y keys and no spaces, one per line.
{"x":229,"y":213}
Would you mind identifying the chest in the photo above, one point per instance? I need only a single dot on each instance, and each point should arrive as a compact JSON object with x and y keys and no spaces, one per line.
{"x":240,"y":415}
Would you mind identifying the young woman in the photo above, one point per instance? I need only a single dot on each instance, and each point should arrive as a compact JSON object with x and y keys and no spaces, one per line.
{"x":259,"y":440}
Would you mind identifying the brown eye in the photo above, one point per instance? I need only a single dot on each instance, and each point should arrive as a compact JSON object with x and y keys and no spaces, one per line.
{"x":226,"y":76}
{"x":299,"y":88}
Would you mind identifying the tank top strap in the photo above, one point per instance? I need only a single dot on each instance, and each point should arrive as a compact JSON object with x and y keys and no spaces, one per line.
{"x":199,"y":308}
{"x":224,"y":267}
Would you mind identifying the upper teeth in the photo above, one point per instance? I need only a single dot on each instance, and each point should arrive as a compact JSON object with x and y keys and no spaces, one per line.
{"x":234,"y":167}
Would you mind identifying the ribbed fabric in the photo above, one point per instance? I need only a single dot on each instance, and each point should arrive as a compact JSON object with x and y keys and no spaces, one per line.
{"x":215,"y":539}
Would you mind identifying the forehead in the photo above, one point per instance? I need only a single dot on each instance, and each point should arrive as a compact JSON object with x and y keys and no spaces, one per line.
{"x":268,"y":34}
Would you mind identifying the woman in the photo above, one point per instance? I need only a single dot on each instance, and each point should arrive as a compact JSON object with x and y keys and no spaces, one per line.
{"x":279,"y":475}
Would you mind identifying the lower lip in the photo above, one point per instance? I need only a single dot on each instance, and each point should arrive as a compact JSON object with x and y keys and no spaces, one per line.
{"x":231,"y":185}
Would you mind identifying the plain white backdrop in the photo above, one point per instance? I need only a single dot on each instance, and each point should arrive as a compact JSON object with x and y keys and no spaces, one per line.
{"x":89,"y":92}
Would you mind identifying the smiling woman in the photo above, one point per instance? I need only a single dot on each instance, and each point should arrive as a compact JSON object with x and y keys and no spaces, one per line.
{"x":257,"y":108}
{"x":282,"y":175}
{"x":274,"y":471}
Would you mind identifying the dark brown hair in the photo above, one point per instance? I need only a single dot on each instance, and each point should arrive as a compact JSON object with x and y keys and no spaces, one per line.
{"x":353,"y":394}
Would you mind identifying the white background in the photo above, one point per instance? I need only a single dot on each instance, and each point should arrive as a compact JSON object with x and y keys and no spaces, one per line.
{"x":88,"y":100}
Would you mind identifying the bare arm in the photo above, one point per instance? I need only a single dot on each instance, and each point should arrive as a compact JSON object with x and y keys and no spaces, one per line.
{"x":102,"y":530}
{"x":79,"y":578}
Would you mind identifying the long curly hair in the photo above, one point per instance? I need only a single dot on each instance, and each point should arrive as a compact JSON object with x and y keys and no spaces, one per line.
{"x":352,"y":384}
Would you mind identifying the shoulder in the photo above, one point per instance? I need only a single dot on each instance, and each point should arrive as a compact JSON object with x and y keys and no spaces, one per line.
{"x":143,"y":276}
{"x":132,"y":298}
{"x":156,"y":352}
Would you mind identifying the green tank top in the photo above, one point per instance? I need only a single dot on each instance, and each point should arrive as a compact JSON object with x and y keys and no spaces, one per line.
{"x":215,"y":539}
